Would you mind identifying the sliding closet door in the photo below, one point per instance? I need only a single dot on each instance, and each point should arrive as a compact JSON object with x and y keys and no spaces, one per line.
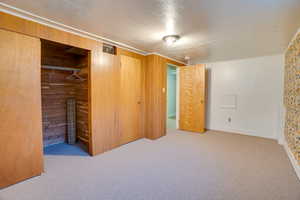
{"x":130,"y":99}
{"x":20,"y":108}
{"x":105,"y":86}
{"x":192,"y":98}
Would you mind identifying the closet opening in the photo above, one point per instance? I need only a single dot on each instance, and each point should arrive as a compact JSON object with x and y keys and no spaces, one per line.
{"x":65,"y":99}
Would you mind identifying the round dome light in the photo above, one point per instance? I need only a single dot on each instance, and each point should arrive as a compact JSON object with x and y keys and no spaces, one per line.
{"x":171,"y":39}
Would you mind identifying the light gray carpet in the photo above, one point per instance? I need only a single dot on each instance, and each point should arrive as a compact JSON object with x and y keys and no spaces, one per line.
{"x":183,"y":166}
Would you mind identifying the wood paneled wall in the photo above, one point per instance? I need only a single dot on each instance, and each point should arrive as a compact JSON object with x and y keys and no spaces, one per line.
{"x":55,"y":92}
{"x":19,"y":25}
{"x":104,"y":84}
{"x":156,"y":89}
{"x":20,"y":108}
{"x":103,"y":77}
{"x":82,"y":110}
{"x":56,"y":89}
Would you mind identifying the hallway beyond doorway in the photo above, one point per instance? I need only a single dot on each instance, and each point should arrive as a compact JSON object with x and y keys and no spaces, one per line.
{"x":171,"y":96}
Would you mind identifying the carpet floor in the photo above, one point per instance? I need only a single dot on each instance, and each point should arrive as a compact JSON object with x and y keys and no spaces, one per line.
{"x":179,"y":166}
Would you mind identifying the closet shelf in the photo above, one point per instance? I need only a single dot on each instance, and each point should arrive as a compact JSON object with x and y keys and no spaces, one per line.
{"x":60,"y":68}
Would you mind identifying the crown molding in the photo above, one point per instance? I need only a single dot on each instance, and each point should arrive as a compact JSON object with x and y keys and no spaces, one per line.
{"x":53,"y":24}
{"x":158,"y":54}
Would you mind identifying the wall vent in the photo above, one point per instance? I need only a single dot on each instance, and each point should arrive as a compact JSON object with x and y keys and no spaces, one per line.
{"x":107,"y":48}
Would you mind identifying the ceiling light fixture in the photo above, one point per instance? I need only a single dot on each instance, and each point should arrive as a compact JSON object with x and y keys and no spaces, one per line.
{"x":171,"y":39}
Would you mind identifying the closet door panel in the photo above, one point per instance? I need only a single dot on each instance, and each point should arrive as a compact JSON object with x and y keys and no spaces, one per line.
{"x":105,"y":86}
{"x":21,"y":150}
{"x":131,"y":99}
{"x":192,"y":98}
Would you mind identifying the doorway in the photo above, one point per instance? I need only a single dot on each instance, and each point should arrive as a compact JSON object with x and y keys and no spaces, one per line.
{"x":65,"y":99}
{"x":172,"y":96}
{"x":186,"y":88}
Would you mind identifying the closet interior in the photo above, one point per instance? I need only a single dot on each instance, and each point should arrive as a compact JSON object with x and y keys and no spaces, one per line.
{"x":65,"y":97}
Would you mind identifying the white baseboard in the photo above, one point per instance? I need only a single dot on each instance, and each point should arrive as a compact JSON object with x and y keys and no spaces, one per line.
{"x":242,"y":132}
{"x":292,"y":159}
{"x":280,"y":141}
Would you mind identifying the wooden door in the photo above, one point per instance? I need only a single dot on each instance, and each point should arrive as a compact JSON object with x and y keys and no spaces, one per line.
{"x":130,"y":99}
{"x":192,"y":98}
{"x":21,"y":151}
{"x":105,"y":87}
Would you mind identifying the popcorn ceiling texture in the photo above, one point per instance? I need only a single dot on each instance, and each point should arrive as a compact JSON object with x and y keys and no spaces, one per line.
{"x":292,"y":97}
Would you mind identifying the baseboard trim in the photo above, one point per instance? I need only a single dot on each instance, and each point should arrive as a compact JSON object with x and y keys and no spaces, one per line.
{"x":294,"y":162}
{"x":242,"y":132}
{"x":280,"y":141}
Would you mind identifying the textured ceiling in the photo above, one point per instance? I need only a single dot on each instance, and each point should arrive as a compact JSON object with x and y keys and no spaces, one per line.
{"x":211,"y":30}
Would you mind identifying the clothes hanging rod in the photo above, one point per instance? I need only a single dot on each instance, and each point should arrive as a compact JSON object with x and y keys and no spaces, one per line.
{"x":60,"y":68}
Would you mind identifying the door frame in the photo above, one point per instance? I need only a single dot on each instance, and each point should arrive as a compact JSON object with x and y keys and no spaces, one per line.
{"x":177,"y":96}
{"x":177,"y":93}
{"x":89,"y":143}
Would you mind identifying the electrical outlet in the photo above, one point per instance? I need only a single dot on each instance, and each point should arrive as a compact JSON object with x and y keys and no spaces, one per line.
{"x":229,"y":119}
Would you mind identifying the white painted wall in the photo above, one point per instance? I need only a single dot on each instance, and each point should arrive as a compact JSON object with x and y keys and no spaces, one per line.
{"x":258,"y":86}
